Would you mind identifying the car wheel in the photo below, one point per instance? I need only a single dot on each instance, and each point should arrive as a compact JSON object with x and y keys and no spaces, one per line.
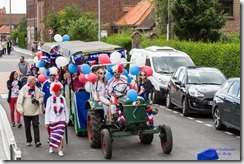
{"x":185,"y":107}
{"x":153,"y":96}
{"x":217,"y":119}
{"x":168,"y":101}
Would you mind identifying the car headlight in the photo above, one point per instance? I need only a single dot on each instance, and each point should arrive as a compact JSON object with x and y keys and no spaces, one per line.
{"x":195,"y":93}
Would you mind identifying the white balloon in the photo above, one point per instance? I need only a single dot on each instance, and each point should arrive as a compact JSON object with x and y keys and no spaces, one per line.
{"x":115,"y":57}
{"x":42,"y":70}
{"x":122,"y":60}
{"x":140,"y":61}
{"x":88,"y":86}
{"x":36,"y":60}
{"x":58,"y":38}
{"x":61,"y":61}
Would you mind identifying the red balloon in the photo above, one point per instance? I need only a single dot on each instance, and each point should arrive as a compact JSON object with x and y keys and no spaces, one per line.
{"x":104,"y":59}
{"x":42,"y":78}
{"x":92,"y":77}
{"x":82,"y":78}
{"x":147,"y":69}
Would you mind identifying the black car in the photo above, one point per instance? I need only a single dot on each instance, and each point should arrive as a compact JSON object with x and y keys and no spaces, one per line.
{"x":226,"y":105}
{"x":192,"y":88}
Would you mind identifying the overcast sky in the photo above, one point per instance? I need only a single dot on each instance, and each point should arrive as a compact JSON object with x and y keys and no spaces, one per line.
{"x":17,"y":6}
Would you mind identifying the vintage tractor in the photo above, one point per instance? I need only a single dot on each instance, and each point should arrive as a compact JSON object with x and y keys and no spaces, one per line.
{"x":135,"y":113}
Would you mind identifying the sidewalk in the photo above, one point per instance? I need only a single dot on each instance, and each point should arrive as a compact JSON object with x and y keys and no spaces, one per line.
{"x":24,"y":51}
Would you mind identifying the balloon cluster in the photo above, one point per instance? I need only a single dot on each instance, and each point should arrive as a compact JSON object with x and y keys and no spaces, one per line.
{"x":59,"y":38}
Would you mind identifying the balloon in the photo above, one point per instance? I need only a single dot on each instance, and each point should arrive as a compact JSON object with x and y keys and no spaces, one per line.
{"x":104,"y":59}
{"x":35,"y":60}
{"x":132,"y":95}
{"x":115,"y":57}
{"x":73,"y":68}
{"x":61,"y":61}
{"x":147,"y":69}
{"x":47,"y":73}
{"x":85,"y":69}
{"x":53,"y":71}
{"x":88,"y":86}
{"x":42,"y":78}
{"x":92,"y":77}
{"x":39,"y":54}
{"x":58,"y":38}
{"x":40,"y":64}
{"x":134,"y":70}
{"x":125,"y":72}
{"x":42,"y":70}
{"x":140,"y":61}
{"x":82,"y":78}
{"x":129,"y":79}
{"x":108,"y":76}
{"x":65,"y":38}
{"x":109,"y":68}
{"x":122,"y":60}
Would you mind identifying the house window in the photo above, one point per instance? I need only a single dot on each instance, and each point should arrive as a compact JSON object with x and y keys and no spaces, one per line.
{"x":227,"y":6}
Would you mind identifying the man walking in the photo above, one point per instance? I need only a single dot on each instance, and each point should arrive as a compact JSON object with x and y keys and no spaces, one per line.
{"x":28,"y":106}
{"x":22,"y":67}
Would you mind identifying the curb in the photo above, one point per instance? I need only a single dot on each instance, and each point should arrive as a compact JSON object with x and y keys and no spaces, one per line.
{"x":21,"y":50}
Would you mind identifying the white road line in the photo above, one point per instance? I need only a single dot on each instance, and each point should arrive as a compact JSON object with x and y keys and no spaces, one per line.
{"x":208,"y":125}
{"x":199,"y":121}
{"x":229,"y":133}
{"x":238,"y":137}
{"x":181,"y":115}
{"x":175,"y":112}
{"x":190,"y":118}
{"x":168,"y":109}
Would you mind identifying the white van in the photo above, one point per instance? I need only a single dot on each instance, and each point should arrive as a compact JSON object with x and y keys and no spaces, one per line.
{"x":163,"y":61}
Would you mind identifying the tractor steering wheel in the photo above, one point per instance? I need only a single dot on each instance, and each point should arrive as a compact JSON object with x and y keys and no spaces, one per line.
{"x":118,"y":86}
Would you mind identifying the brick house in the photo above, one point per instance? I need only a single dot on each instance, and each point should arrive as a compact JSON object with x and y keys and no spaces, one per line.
{"x":111,"y":12}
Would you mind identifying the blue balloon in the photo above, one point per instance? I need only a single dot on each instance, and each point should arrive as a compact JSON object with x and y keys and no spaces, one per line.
{"x":134,"y":70}
{"x":41,"y":63}
{"x":85,"y":69}
{"x":47,"y":73}
{"x":109,"y":68}
{"x":132,"y":95}
{"x":129,"y":79}
{"x":125,"y":72}
{"x":108,"y":76}
{"x":72,"y":68}
{"x":66,"y":38}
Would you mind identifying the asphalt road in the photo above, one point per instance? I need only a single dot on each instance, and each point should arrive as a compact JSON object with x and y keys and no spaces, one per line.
{"x":191,"y":135}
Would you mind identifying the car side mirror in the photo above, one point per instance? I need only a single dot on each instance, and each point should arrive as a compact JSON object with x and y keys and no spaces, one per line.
{"x":178,"y":82}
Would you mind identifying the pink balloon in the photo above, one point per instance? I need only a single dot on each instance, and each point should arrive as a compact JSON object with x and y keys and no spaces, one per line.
{"x":39,"y":54}
{"x":92,"y":77}
{"x":82,"y":78}
{"x":42,"y":78}
{"x":147,"y":69}
{"x":104,"y":59}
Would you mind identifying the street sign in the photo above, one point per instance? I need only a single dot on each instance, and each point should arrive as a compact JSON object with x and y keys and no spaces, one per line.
{"x":50,"y":31}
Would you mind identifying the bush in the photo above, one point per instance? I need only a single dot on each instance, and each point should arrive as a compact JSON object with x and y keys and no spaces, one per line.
{"x":21,"y":39}
{"x":122,"y":40}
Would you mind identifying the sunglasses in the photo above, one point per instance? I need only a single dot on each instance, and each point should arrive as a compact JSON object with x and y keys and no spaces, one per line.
{"x":116,"y":72}
{"x":102,"y":73}
{"x":142,"y":74}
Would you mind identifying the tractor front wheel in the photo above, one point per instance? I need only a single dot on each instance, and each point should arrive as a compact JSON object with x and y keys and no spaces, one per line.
{"x":146,"y":138}
{"x":166,"y":139}
{"x":106,"y":143}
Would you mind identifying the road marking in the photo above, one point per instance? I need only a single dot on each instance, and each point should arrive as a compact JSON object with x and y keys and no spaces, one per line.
{"x":181,"y":115}
{"x":199,"y":121}
{"x":168,"y":109}
{"x":190,"y":118}
{"x":208,"y":125}
{"x":238,"y":137}
{"x":175,"y":112}
{"x":229,"y":133}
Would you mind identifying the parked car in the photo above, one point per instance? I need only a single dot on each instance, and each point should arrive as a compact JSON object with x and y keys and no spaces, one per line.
{"x":192,"y":88}
{"x":226,"y":105}
{"x":163,"y":61}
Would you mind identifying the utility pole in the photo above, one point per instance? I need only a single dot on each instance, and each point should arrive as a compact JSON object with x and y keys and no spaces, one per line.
{"x":170,"y":21}
{"x":99,"y":21}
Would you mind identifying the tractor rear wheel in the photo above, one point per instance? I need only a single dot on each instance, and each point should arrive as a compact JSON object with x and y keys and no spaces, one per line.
{"x":166,"y":139}
{"x":146,"y":138}
{"x":106,"y":144}
{"x":94,"y":127}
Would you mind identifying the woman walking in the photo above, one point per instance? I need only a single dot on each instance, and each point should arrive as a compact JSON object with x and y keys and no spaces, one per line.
{"x":13,"y":85}
{"x":56,"y":117}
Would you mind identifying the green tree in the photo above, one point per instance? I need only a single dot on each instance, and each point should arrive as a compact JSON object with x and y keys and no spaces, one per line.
{"x":197,"y":20}
{"x":161,"y":15}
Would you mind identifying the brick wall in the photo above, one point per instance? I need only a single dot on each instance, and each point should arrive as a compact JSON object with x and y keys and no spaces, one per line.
{"x":233,"y":23}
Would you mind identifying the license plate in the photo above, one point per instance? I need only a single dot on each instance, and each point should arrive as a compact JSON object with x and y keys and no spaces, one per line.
{"x":210,"y":102}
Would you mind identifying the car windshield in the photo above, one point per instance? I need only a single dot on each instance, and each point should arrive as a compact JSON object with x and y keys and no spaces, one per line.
{"x":169,"y":64}
{"x":214,"y":77}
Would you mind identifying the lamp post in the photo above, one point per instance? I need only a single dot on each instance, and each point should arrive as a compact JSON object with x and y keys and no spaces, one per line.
{"x":10,"y":15}
{"x":99,"y":21}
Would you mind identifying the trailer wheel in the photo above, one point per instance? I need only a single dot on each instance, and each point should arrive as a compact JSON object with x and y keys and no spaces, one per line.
{"x":166,"y":138}
{"x":106,"y":143}
{"x":94,"y":127}
{"x":146,"y":138}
